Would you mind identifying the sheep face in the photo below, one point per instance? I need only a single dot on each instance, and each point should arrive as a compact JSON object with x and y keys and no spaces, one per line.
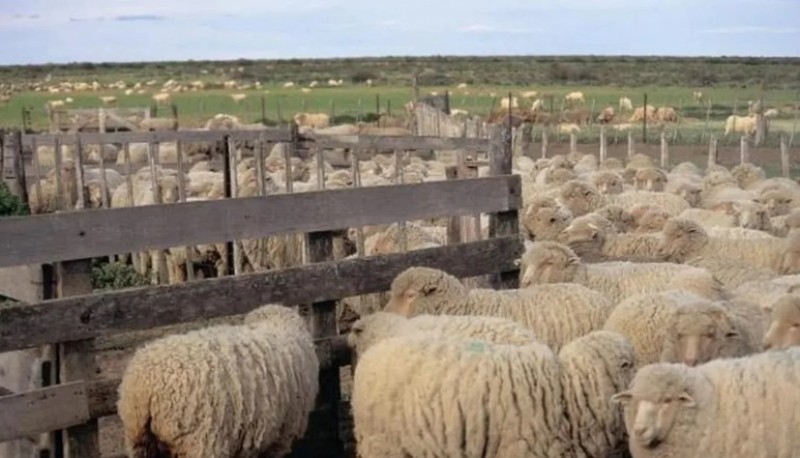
{"x":650,"y":179}
{"x":372,"y":328}
{"x":545,"y":223}
{"x":421,"y":289}
{"x":608,"y":183}
{"x":547,"y":262}
{"x":716,"y":179}
{"x":657,"y":399}
{"x":748,"y":175}
{"x":784,"y":329}
{"x":581,"y":198}
{"x":585,"y":234}
{"x":695,"y":338}
{"x":652,"y":221}
{"x":681,"y":239}
{"x":776,"y":202}
{"x":558,"y":176}
{"x":620,"y":219}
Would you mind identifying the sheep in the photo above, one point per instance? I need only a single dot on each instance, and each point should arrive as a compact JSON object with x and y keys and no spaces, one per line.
{"x":589,"y":239}
{"x":738,"y":233}
{"x":640,"y":113}
{"x":594,"y":367}
{"x":650,"y":179}
{"x":505,"y":103}
{"x":683,"y":239}
{"x":377,"y":326}
{"x":743,"y":124}
{"x":672,"y":410}
{"x":765,"y":293}
{"x":582,"y":198}
{"x":314,"y":120}
{"x":652,"y":221}
{"x":777,"y":202}
{"x":620,"y":219}
{"x":508,"y":397}
{"x":608,"y":182}
{"x":108,"y":99}
{"x":161,"y":98}
{"x":748,"y":175}
{"x":574,"y":97}
{"x":569,"y":128}
{"x":784,"y":327}
{"x":552,"y":262}
{"x":556,"y":313}
{"x":159,"y":124}
{"x":267,"y":370}
{"x":665,"y":114}
{"x":606,"y":115}
{"x":703,"y":329}
{"x":48,"y":200}
{"x":730,"y":272}
{"x":544,"y":219}
{"x":625,"y":104}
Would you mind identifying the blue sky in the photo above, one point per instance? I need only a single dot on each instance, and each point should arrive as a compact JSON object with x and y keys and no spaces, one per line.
{"x":38,"y":31}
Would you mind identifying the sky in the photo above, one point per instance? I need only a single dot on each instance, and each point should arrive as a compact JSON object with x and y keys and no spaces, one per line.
{"x":41,"y":31}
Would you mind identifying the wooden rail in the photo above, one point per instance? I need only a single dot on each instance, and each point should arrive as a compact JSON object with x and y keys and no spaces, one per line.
{"x":84,"y":234}
{"x":268,"y":135}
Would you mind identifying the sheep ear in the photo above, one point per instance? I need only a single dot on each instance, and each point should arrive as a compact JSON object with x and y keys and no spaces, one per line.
{"x":687,"y":400}
{"x":622,"y":398}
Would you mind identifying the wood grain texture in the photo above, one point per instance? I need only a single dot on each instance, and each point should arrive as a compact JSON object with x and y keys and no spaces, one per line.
{"x":43,"y":410}
{"x":84,"y":317}
{"x":273,"y":135}
{"x":393,"y":142}
{"x":90,"y":233}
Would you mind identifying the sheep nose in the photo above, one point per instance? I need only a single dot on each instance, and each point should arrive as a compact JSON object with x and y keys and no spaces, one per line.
{"x":691,"y":362}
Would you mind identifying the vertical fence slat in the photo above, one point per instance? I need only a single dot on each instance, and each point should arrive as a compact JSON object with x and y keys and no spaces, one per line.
{"x":36,"y":170}
{"x":664,"y":150}
{"x":784,"y":157}
{"x":79,"y":177}
{"x":356,"y":171}
{"x":59,"y":179}
{"x":507,"y":222}
{"x":399,"y":179}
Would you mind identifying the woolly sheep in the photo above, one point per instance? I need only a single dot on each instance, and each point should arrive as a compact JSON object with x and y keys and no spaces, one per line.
{"x":485,"y":399}
{"x":777,"y":201}
{"x":684,"y":239}
{"x":765,"y":293}
{"x":672,"y":410}
{"x":556,"y":313}
{"x":621,"y":219}
{"x":742,"y":124}
{"x":377,"y":326}
{"x":594,"y":367}
{"x":224,"y":390}
{"x":652,"y":221}
{"x":784,"y":327}
{"x":582,"y":198}
{"x":551,"y":262}
{"x":48,"y":201}
{"x":608,"y":182}
{"x":748,"y":175}
{"x":730,"y":272}
{"x":649,"y":320}
{"x":650,"y":179}
{"x":544,"y":219}
{"x":588,"y":239}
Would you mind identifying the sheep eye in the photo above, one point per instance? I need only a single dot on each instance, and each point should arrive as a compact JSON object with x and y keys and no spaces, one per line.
{"x":625,"y":365}
{"x":357,"y":331}
{"x":552,"y":220}
{"x":796,"y":325}
{"x":668,"y":400}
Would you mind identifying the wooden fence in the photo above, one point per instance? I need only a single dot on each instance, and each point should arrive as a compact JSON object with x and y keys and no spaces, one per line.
{"x":79,"y":324}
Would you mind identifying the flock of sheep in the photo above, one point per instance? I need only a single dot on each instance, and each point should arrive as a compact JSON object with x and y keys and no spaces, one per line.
{"x":648,"y":299}
{"x":655,"y":317}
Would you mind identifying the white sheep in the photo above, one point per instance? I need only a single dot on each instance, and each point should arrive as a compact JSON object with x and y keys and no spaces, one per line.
{"x":552,"y":262}
{"x":649,"y":320}
{"x":590,"y":239}
{"x":594,"y":367}
{"x":708,"y":411}
{"x":581,"y":198}
{"x":784,"y":326}
{"x":556,"y":313}
{"x":453,"y":396}
{"x":684,"y":239}
{"x":224,"y":390}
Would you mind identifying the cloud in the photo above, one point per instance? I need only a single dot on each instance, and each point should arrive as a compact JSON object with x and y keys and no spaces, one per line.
{"x":140,"y":17}
{"x":476,"y":28}
{"x":746,"y":29}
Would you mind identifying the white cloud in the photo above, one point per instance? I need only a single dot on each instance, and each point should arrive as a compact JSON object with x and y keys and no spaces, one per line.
{"x":747,"y":29}
{"x":476,"y":28}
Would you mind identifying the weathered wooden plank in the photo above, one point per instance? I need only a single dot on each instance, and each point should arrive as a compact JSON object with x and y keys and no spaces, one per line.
{"x":503,"y":223}
{"x":394,"y":142}
{"x":43,"y":410}
{"x":75,"y":403}
{"x":28,"y":325}
{"x":267,"y":134}
{"x":29,"y":240}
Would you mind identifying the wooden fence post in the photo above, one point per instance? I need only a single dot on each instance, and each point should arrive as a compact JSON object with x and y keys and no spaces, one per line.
{"x":77,"y":359}
{"x":712,"y":151}
{"x":454,"y":222}
{"x":603,"y":144}
{"x":631,"y":144}
{"x":744,"y":150}
{"x":664,"y":150}
{"x":526,"y":140}
{"x":784,"y":157}
{"x":573,"y":141}
{"x":544,"y":143}
{"x":15,"y":166}
{"x":503,"y":223}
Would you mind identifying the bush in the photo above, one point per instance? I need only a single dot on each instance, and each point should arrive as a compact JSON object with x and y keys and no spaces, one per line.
{"x":11,"y":205}
{"x":362,"y":76}
{"x":115,"y":275}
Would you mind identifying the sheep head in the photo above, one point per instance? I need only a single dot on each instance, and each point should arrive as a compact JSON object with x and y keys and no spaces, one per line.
{"x":611,"y":163}
{"x":652,"y":221}
{"x":580,"y":197}
{"x":784,"y":328}
{"x":698,"y":332}
{"x":372,"y":328}
{"x":545,"y":223}
{"x":548,"y":262}
{"x":716,"y":179}
{"x":692,"y":194}
{"x":681,"y":240}
{"x":585,"y":234}
{"x":777,"y":201}
{"x":423,"y":290}
{"x":650,"y":179}
{"x":558,"y":176}
{"x":620,"y":219}
{"x":608,"y":182}
{"x":657,"y":399}
{"x":748,"y":174}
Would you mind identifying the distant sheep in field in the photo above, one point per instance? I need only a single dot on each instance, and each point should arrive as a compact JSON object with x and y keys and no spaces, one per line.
{"x":529,"y":94}
{"x":625,"y":104}
{"x":538,"y":104}
{"x":742,"y":124}
{"x":666,"y":114}
{"x":697,"y":96}
{"x":568,"y":128}
{"x":574,"y":97}
{"x":108,"y":100}
{"x":640,"y":113}
{"x":606,"y":116}
{"x":771,"y":113}
{"x":161,"y":97}
{"x":51,"y":104}
{"x":238,"y":98}
{"x":288,"y":84}
{"x":314,"y":120}
{"x":505,"y":104}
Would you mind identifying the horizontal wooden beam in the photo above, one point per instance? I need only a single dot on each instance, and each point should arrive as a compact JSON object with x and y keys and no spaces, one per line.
{"x":394,"y":142}
{"x":84,"y":234}
{"x":74,"y":403}
{"x":43,"y":410}
{"x":267,"y":134}
{"x":90,"y":316}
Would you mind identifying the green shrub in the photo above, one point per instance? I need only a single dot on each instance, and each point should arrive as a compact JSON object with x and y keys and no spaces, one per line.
{"x":115,"y":275}
{"x":11,"y":205}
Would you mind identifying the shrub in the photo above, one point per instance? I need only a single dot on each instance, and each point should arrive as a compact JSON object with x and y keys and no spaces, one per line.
{"x":115,"y":275}
{"x":11,"y":205}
